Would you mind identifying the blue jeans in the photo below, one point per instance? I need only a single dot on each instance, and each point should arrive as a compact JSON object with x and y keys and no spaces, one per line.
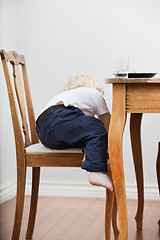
{"x":73,"y":129}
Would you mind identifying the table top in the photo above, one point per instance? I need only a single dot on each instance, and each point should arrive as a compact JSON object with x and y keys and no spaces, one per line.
{"x":132,"y":80}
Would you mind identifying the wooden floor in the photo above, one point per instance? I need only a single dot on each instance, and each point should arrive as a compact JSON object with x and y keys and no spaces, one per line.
{"x":61,"y":218}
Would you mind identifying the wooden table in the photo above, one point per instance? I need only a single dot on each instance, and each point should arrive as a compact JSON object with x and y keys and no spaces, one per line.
{"x":135,"y":96}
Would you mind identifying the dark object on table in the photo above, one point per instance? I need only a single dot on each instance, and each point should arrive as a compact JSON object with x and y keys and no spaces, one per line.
{"x":141,"y":75}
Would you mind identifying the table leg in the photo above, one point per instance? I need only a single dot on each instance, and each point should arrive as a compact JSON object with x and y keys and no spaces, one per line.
{"x":108,"y":213}
{"x":114,"y":220}
{"x":117,"y":123}
{"x":158,"y":173}
{"x":158,"y":166}
{"x":135,"y":127}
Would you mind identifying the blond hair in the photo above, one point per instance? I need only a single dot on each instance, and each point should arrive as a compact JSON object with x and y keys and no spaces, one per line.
{"x":82,"y":80}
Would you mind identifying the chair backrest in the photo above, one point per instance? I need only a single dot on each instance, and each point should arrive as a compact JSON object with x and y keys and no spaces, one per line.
{"x":19,"y":92}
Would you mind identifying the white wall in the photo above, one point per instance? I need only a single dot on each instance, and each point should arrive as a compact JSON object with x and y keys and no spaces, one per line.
{"x":61,"y":37}
{"x":7,"y":150}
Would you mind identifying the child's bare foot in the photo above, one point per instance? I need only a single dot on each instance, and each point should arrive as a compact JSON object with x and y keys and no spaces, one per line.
{"x":101,"y":179}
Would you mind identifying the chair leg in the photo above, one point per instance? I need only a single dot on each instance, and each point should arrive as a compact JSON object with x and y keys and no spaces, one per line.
{"x":158,"y":173}
{"x":114,"y":219}
{"x":34,"y":200}
{"x":21,"y":180}
{"x":108,"y":213}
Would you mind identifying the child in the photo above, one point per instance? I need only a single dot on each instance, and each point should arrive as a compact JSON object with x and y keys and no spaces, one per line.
{"x":68,"y":121}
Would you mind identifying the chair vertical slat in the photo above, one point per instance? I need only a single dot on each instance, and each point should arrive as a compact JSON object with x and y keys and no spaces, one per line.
{"x":21,"y":102}
{"x":34,"y":137}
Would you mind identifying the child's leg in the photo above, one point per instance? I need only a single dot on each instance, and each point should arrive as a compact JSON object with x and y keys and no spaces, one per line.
{"x":100,"y":178}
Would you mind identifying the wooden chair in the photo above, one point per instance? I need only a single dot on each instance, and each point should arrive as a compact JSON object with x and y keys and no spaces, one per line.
{"x":31,"y":153}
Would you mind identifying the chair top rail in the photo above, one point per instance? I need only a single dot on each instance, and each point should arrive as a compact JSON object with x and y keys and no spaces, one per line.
{"x":12,"y":57}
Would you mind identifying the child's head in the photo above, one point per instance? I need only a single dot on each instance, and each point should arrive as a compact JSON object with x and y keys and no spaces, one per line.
{"x":82,"y":80}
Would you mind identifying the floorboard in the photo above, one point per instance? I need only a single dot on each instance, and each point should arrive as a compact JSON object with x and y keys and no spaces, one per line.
{"x":62,"y":218}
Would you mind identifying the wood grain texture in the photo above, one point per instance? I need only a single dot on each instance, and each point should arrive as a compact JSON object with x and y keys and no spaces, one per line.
{"x":158,"y":167}
{"x":132,"y":80}
{"x":15,"y":120}
{"x":141,"y":96}
{"x":34,"y":136}
{"x":144,"y":98}
{"x":158,"y":173}
{"x":21,"y":180}
{"x":118,"y":119}
{"x":12,"y":57}
{"x":114,"y":220}
{"x":135,"y":132}
{"x":54,"y":159}
{"x":71,"y":218}
{"x":108,"y":213}
{"x":34,"y":201}
{"x":21,"y":101}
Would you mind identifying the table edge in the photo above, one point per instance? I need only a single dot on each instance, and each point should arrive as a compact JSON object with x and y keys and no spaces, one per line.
{"x":132,"y":80}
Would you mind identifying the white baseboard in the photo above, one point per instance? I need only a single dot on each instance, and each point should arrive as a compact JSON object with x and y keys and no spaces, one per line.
{"x":7,"y":192}
{"x":78,"y":189}
{"x":150,"y":192}
{"x":68,"y":189}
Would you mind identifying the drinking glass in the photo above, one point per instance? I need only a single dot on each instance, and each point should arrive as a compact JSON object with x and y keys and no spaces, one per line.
{"x":121,"y":66}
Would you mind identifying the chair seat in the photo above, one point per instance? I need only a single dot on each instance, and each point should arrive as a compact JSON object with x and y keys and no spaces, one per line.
{"x":39,"y":156}
{"x":39,"y":148}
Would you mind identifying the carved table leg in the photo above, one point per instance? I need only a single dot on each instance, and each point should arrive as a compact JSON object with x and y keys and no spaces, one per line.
{"x":135,"y":127}
{"x":108,"y":213}
{"x":158,"y":173}
{"x":117,"y":124}
{"x":114,"y":219}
